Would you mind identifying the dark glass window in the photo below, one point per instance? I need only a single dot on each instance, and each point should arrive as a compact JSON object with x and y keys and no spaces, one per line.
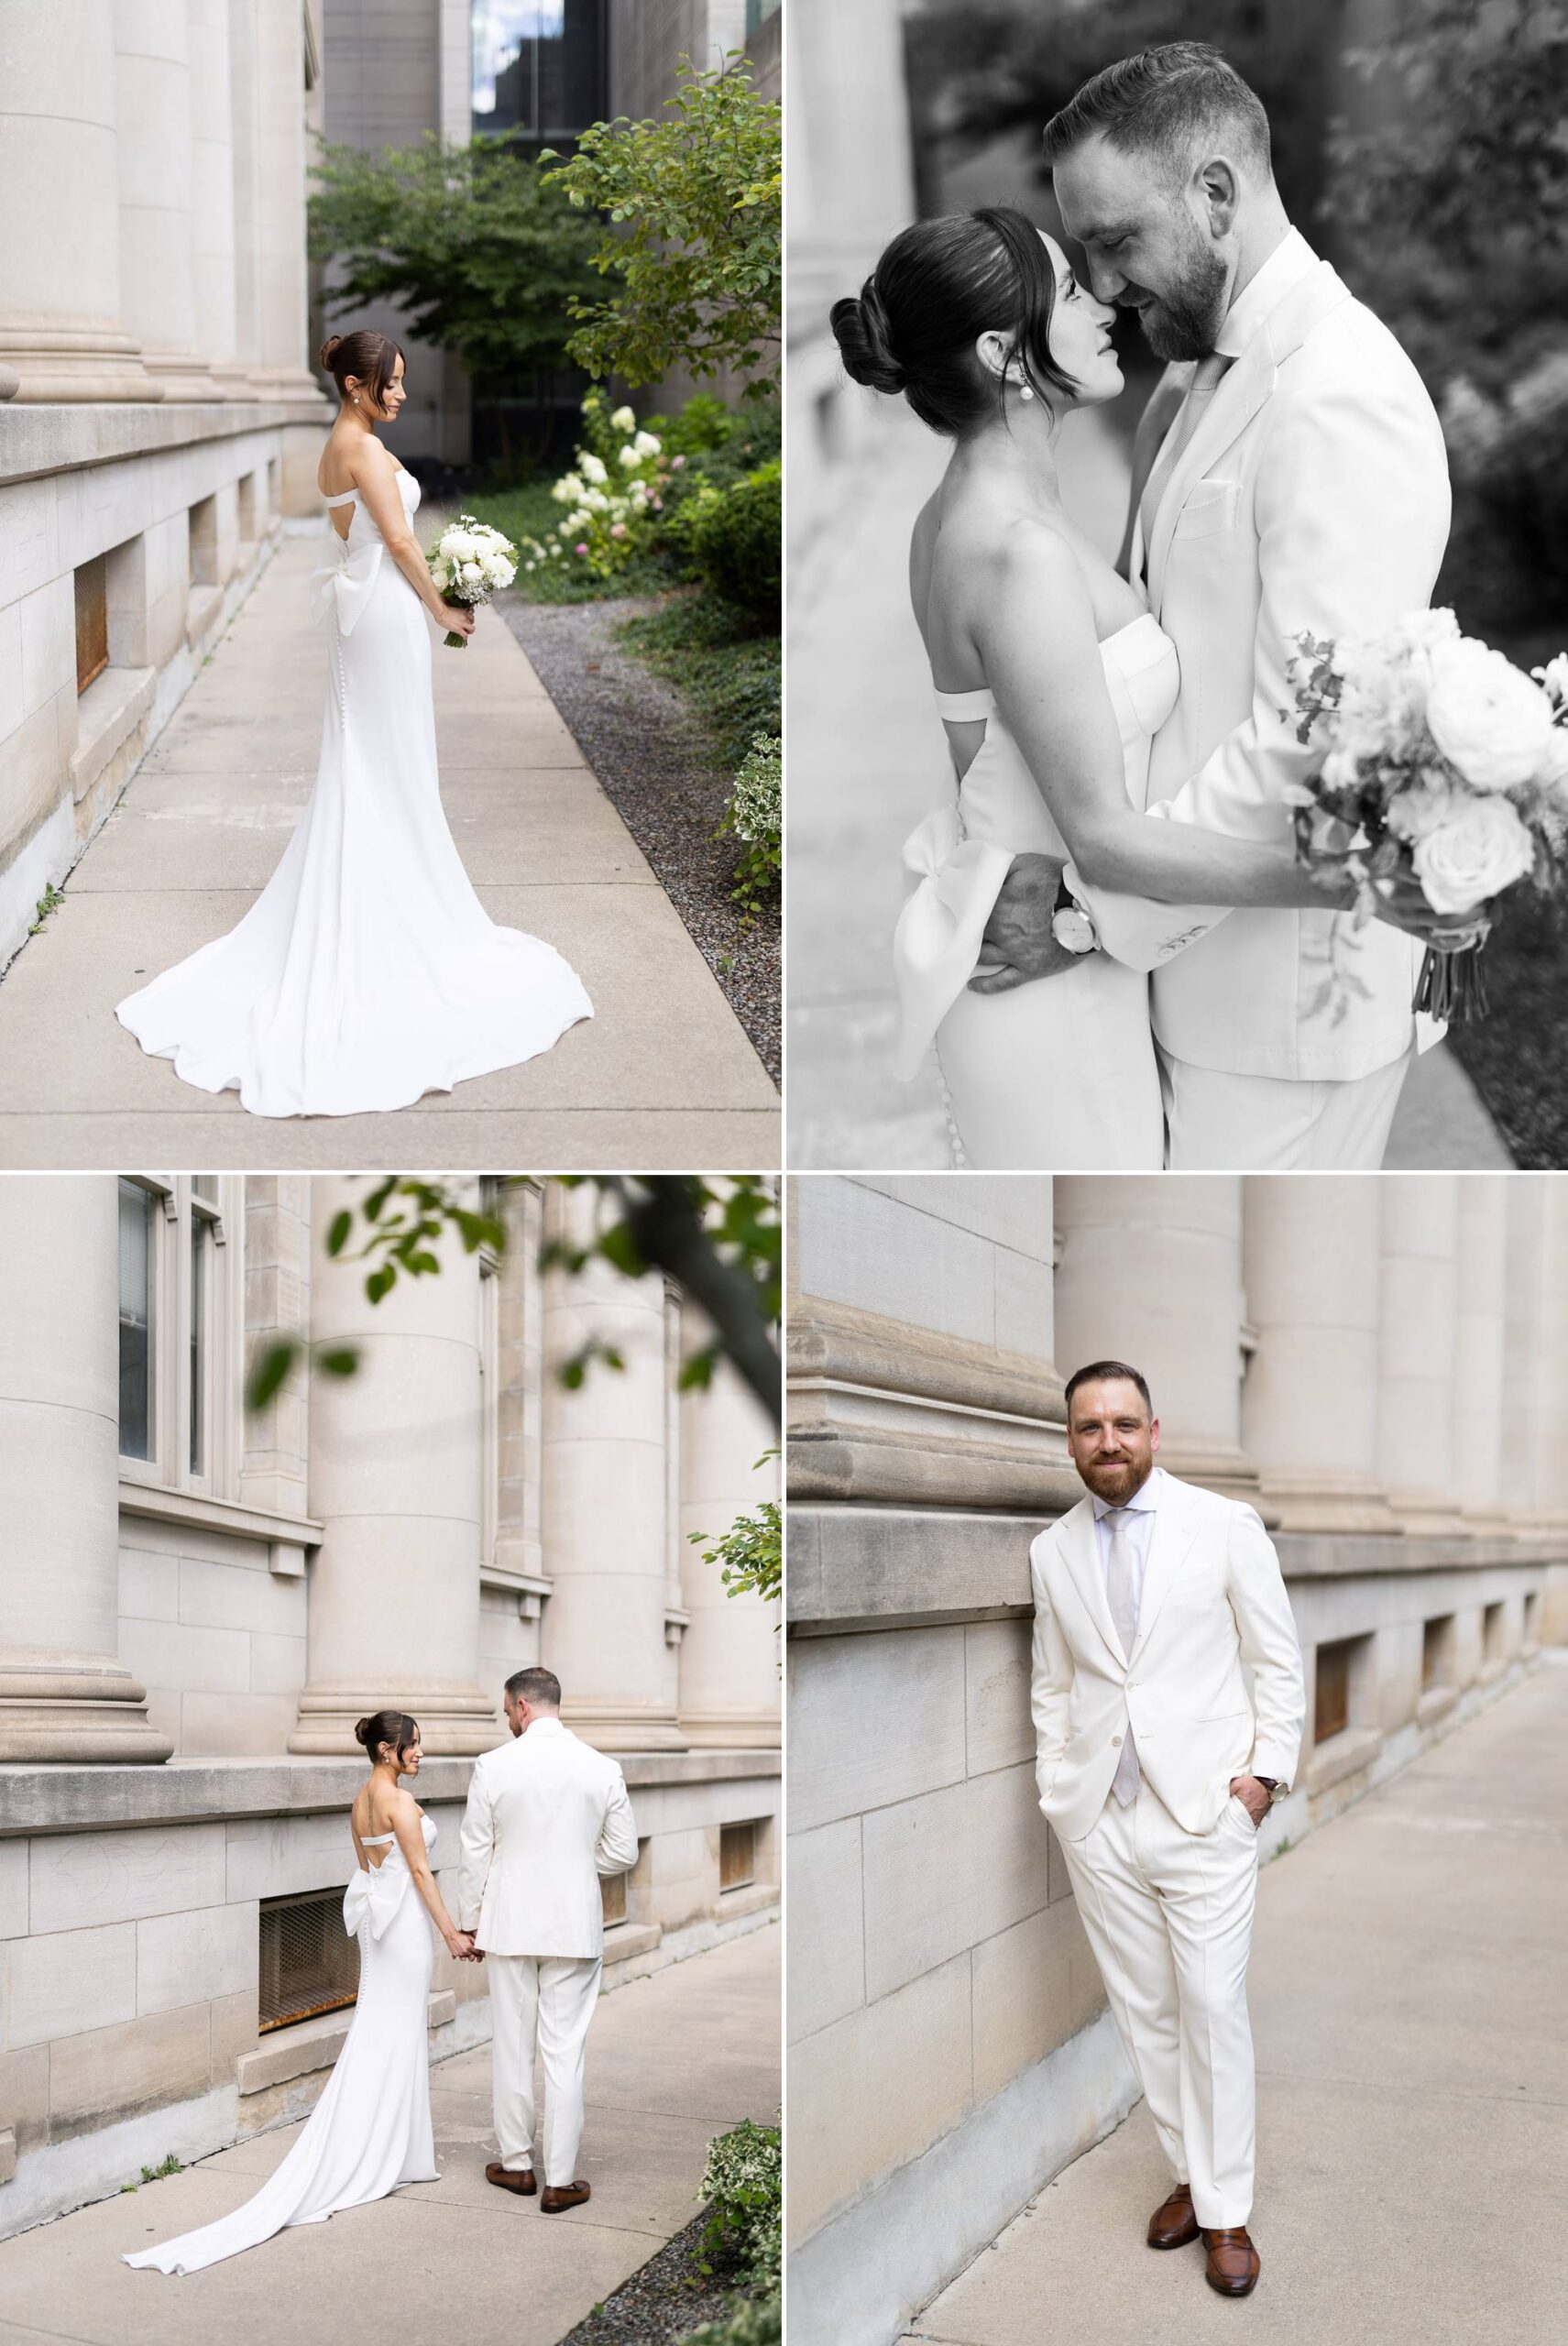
{"x":138,"y":1239}
{"x":539,"y":67}
{"x":91,"y":620}
{"x":1332,"y":1710}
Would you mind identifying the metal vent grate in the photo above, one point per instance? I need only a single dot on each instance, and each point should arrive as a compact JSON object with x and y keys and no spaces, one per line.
{"x":308,"y":1963}
{"x":737,"y":1856}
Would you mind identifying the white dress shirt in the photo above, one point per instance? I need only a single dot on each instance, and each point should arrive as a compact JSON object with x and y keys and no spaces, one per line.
{"x":1140,"y":1514}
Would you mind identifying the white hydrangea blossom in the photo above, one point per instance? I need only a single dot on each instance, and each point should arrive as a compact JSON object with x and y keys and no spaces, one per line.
{"x":624,"y":420}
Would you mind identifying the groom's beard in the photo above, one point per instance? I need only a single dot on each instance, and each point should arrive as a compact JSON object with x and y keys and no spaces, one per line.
{"x":1184,"y":320}
{"x":1116,"y":1480}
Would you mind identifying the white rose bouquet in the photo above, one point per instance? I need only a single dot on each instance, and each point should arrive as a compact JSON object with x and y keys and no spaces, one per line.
{"x":1445,"y":765}
{"x":468,"y":562}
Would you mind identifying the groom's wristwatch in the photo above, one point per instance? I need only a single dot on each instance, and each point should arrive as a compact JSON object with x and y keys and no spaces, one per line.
{"x":1271,"y":1786}
{"x":1070,"y":925}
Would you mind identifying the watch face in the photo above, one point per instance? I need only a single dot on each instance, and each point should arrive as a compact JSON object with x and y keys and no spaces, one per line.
{"x":1073,"y":930}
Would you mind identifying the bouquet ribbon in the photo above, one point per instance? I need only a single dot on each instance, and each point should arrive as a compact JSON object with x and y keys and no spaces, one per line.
{"x":345,"y":585}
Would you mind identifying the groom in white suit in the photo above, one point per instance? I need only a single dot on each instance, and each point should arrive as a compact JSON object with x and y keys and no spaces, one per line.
{"x":1290,"y":474}
{"x":546,"y":1815}
{"x":1156,"y":1765}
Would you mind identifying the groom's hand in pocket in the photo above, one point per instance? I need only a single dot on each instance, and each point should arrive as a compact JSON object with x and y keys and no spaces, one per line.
{"x":1019,"y":945}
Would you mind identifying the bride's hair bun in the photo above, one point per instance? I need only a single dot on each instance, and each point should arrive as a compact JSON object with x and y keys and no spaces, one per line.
{"x":370,"y":357}
{"x":329,"y":351}
{"x":362,"y":1732}
{"x":865,"y":340}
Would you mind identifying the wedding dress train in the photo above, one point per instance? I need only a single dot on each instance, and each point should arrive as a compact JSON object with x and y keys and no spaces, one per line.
{"x":1058,"y":1075}
{"x":368,"y":973}
{"x":370,"y":2130}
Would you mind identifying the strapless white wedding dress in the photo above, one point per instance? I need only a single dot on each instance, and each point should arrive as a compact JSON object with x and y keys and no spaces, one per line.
{"x":370,"y":2130}
{"x":368,"y":973}
{"x":1058,"y":1075}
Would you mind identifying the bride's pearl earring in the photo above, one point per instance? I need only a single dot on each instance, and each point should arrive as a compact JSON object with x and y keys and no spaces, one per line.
{"x":1025,"y":392}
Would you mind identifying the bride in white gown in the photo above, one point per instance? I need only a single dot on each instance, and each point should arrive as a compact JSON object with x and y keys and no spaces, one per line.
{"x":1053,"y":678}
{"x":368,"y":973}
{"x":371,"y":2132}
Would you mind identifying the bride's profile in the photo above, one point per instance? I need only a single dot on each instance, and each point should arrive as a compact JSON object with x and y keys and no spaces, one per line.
{"x":368,"y":973}
{"x":371,"y":2132}
{"x":1051,"y":677}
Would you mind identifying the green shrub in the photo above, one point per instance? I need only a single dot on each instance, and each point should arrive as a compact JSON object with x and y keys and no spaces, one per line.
{"x":743,"y":2187}
{"x":747,"y":2324}
{"x":738,"y":543}
{"x":754,"y":813}
{"x":728,"y":673}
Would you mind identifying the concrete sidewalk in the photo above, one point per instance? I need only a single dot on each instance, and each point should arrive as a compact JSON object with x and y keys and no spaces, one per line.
{"x":673,"y":2060}
{"x":867,"y":760}
{"x":663,"y":1077}
{"x":1406,"y":1990}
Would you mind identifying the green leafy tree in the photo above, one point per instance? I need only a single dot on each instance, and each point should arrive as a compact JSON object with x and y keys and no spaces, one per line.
{"x":481,"y":252}
{"x":750,"y":1553}
{"x":695,"y":214}
{"x":720,"y":1242}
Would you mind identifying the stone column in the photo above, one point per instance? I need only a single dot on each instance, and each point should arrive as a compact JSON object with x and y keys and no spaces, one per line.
{"x":63,"y":1694}
{"x":605,"y":1513}
{"x":282,"y":164}
{"x":1310,"y":1257}
{"x":1150,"y":1273}
{"x":731,"y":1653}
{"x":245,"y":133}
{"x":395,"y":1462}
{"x":152,"y":112}
{"x":1416,"y":1327}
{"x":1535,"y":1359}
{"x":1481,"y":1313}
{"x":212,"y":194}
{"x":62,"y":334}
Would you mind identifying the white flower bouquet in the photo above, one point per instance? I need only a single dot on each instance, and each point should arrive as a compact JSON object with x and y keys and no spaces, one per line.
{"x":1446,"y":766}
{"x":468,"y":562}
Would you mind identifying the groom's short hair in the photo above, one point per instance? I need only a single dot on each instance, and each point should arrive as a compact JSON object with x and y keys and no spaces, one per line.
{"x":1098,"y":1372}
{"x":535,"y":1686}
{"x":1164,"y":101}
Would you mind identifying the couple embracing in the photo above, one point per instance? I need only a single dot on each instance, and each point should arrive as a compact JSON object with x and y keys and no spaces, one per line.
{"x":1108,"y":937}
{"x":546,"y":1817}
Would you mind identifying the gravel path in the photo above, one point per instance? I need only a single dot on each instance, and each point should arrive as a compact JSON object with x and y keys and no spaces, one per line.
{"x":657,"y":765}
{"x":664,"y":2301}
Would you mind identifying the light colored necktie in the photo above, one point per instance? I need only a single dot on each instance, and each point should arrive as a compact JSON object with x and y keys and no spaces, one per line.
{"x":1206,"y":379}
{"x":1121,"y":1588}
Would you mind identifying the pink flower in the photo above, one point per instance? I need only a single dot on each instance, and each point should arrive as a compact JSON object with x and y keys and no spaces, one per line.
{"x":618,"y":528}
{"x":583,"y":549}
{"x":658,"y":505}
{"x":677,"y":461}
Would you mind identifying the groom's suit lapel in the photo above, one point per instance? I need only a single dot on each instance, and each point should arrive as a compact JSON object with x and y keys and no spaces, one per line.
{"x":1241,"y":393}
{"x":1174,"y":1532}
{"x":1080,"y":1554}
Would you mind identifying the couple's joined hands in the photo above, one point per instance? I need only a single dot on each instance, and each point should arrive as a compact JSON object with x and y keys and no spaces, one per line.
{"x":463,"y":1949}
{"x":1019,"y":945}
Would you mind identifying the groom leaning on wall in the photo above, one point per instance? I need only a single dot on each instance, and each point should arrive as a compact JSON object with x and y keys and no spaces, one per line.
{"x":1155,"y":1770}
{"x":546,"y":1815}
{"x":1288,"y":475}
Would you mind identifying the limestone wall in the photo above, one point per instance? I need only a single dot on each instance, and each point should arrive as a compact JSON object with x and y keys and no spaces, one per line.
{"x":949,"y":2049}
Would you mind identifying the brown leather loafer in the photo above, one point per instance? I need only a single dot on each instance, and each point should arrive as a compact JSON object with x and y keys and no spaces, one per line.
{"x":1232,"y":2264}
{"x":556,"y":2196}
{"x":1174,"y":2224}
{"x":512,"y":2178}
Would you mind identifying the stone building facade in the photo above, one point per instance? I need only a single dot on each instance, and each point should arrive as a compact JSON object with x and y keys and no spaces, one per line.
{"x":1381,"y":1365}
{"x":197,"y":1604}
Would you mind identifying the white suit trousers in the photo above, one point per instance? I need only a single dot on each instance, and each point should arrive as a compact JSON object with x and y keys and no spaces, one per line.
{"x":545,"y":2001}
{"x":1262,"y":1123}
{"x":1168,"y":1914}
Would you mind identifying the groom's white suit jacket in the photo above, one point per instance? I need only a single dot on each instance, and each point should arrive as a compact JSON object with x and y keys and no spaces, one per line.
{"x":1212,"y":1599}
{"x":546,"y":1815}
{"x":1314,"y":494}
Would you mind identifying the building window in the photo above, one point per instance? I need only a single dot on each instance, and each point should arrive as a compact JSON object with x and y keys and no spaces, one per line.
{"x":1532,"y":1617}
{"x":1331,"y":1714}
{"x":181,"y":1329}
{"x":138,"y":1256}
{"x":1491,"y":1633}
{"x":308,"y":1963}
{"x":612,"y":1892}
{"x":204,"y":543}
{"x":91,"y":620}
{"x":248,"y":531}
{"x":1437,"y":1640}
{"x":737,"y":1856}
{"x":757,"y":15}
{"x":539,"y":67}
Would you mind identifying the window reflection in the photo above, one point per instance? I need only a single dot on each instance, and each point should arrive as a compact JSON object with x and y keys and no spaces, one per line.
{"x":538,"y":67}
{"x":138,"y":1239}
